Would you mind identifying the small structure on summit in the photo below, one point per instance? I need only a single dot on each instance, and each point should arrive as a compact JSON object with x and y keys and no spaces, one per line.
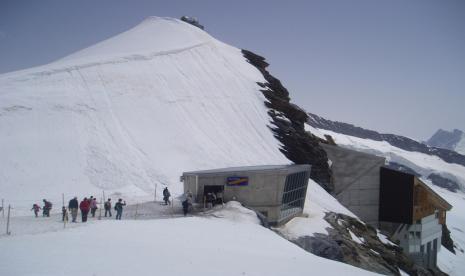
{"x":192,"y":20}
{"x":276,"y":191}
{"x":398,"y":203}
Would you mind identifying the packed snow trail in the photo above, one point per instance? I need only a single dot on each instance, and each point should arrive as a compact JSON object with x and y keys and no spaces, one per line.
{"x":234,"y":244}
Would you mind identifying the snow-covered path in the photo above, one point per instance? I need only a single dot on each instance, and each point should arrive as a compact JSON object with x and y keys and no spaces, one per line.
{"x":229,"y":243}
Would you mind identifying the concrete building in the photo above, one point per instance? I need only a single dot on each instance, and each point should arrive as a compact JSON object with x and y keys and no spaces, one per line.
{"x":398,"y":203}
{"x":356,"y":178}
{"x":277,"y":192}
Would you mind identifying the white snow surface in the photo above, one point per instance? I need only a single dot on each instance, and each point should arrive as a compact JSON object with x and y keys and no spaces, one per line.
{"x":131,"y":113}
{"x":229,"y":241}
{"x":317,"y":203}
{"x":425,"y":165}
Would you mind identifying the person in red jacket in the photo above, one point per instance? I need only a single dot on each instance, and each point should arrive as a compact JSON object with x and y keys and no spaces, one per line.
{"x":85,"y":207}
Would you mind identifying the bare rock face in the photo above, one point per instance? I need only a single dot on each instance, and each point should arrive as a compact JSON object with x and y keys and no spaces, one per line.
{"x":355,"y":243}
{"x":288,"y":121}
{"x":446,"y":139}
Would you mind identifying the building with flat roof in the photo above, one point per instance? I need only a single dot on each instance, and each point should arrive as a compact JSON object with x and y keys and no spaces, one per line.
{"x":276,"y":191}
{"x":398,"y":203}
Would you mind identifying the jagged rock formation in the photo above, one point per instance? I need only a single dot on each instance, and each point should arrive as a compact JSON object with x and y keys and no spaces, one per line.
{"x":451,"y":140}
{"x":446,"y":240}
{"x":444,"y":182}
{"x":288,"y":125}
{"x":369,"y":252}
{"x":395,"y":140}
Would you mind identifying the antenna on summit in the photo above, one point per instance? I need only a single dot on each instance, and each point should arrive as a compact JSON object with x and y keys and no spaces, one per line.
{"x":192,"y":20}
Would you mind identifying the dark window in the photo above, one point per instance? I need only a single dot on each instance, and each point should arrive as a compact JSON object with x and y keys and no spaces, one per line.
{"x":294,"y":194}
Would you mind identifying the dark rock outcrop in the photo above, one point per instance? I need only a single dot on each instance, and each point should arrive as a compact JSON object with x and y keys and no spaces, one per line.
{"x":444,"y":182}
{"x":395,"y":140}
{"x":287,"y":124}
{"x":321,"y":245}
{"x":446,"y":240}
{"x":369,"y":253}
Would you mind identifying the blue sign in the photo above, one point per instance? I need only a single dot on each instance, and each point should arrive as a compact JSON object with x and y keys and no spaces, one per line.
{"x":237,"y":181}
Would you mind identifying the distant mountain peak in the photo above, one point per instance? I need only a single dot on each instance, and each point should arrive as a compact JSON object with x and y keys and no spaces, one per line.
{"x":451,"y":140}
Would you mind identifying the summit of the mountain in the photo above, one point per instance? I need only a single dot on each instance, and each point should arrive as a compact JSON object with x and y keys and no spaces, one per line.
{"x":154,"y":35}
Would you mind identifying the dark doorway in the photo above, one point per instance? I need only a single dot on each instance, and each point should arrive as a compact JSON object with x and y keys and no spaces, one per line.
{"x":216,"y":194}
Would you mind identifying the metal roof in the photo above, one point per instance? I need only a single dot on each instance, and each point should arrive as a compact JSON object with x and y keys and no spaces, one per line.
{"x":251,"y":168}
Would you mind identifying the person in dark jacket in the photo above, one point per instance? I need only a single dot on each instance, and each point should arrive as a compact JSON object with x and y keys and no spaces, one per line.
{"x":85,"y":207}
{"x":73,"y":206}
{"x":46,"y":209}
{"x":119,"y":208}
{"x":166,"y":196}
{"x":107,"y":207}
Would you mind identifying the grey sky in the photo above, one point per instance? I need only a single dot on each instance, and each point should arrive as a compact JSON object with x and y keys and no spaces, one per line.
{"x":392,"y":66}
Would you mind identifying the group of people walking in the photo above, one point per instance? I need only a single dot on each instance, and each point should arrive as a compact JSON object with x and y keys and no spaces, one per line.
{"x":91,"y":205}
{"x":85,"y":206}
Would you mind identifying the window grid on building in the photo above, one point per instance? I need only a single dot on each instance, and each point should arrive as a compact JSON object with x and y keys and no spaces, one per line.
{"x":294,"y":194}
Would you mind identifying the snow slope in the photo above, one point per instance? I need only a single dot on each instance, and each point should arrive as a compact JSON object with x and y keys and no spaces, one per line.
{"x":228,"y":242}
{"x":425,"y":165}
{"x":130,"y":113}
{"x":317,"y":203}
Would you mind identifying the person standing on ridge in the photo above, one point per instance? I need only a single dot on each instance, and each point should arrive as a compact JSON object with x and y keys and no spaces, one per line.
{"x":107,"y":207}
{"x":93,"y":206}
{"x":119,"y":208}
{"x":36,"y":209}
{"x":166,"y":196}
{"x":85,"y":207}
{"x":73,"y":206}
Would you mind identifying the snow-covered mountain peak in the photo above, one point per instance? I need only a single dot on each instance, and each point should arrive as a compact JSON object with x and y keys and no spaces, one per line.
{"x":154,"y":35}
{"x":131,"y":113}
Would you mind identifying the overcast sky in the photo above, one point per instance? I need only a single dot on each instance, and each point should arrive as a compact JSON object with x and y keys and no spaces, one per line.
{"x":392,"y":66}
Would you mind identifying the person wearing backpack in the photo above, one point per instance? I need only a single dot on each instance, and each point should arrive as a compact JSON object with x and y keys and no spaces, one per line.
{"x":107,"y":207}
{"x":73,"y":207}
{"x":119,"y":208}
{"x":46,"y":209}
{"x":85,"y":207}
{"x":36,"y":209}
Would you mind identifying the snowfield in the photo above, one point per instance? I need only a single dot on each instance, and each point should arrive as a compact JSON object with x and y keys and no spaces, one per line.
{"x":423,"y":164}
{"x":317,"y":203}
{"x":130,"y":113}
{"x":228,"y":241}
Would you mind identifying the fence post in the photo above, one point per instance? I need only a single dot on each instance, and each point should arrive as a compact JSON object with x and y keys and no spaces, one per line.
{"x":8,"y":222}
{"x":135,"y":215}
{"x":155,"y":194}
{"x":64,"y":210}
{"x":100,"y":211}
